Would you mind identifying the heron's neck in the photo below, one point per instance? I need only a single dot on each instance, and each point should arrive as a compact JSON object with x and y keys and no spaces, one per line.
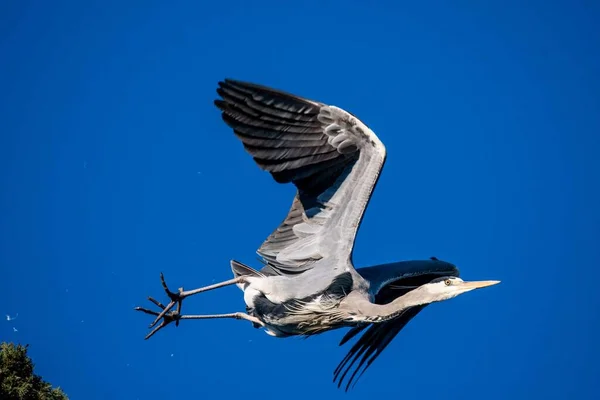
{"x":383,"y":312}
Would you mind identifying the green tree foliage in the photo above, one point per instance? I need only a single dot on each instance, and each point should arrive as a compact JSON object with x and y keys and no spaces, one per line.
{"x":17,"y":379}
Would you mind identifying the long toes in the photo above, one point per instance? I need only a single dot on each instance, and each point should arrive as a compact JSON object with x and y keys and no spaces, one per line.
{"x":167,"y":318}
{"x":156,"y":302}
{"x":174,"y":296}
{"x":158,"y":328}
{"x":145,"y":310}
{"x":162,"y":313}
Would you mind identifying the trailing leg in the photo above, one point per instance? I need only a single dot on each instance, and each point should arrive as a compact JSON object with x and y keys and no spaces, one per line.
{"x":169,"y":316}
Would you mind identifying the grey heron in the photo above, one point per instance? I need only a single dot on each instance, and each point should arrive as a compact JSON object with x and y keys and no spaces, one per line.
{"x":307,"y":283}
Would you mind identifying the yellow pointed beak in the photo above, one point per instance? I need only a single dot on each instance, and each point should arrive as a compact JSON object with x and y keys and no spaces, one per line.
{"x":478,"y":284}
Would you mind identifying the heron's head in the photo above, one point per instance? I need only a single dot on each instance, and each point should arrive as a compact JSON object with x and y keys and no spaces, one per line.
{"x":444,"y":288}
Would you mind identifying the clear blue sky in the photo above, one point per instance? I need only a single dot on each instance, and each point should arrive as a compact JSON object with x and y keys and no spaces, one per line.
{"x":115,"y":165}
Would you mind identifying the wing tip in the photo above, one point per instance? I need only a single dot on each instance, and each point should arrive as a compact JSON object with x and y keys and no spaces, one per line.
{"x":220,"y":104}
{"x":255,"y":87}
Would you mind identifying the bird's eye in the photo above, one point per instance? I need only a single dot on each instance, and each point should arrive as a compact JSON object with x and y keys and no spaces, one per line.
{"x":448,"y":282}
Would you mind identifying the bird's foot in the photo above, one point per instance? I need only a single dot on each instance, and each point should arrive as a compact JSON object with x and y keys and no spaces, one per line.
{"x":167,"y":317}
{"x":165,"y":314}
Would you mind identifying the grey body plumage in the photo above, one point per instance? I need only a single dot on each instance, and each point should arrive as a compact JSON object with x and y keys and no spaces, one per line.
{"x":308,"y":283}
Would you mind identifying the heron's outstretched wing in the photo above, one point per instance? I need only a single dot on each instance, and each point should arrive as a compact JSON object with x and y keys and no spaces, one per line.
{"x":332,"y":158}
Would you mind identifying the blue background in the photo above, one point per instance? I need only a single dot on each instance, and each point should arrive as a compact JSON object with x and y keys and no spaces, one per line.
{"x":115,"y":165}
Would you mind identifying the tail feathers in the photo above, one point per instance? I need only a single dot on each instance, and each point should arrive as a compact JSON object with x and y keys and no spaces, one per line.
{"x":240,"y":269}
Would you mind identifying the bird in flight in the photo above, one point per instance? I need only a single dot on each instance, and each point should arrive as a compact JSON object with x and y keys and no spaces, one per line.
{"x":307,"y":283}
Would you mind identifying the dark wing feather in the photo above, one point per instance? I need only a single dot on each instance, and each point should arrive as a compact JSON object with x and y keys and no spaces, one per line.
{"x":324,"y":151}
{"x":281,"y":132}
{"x":370,"y":345}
